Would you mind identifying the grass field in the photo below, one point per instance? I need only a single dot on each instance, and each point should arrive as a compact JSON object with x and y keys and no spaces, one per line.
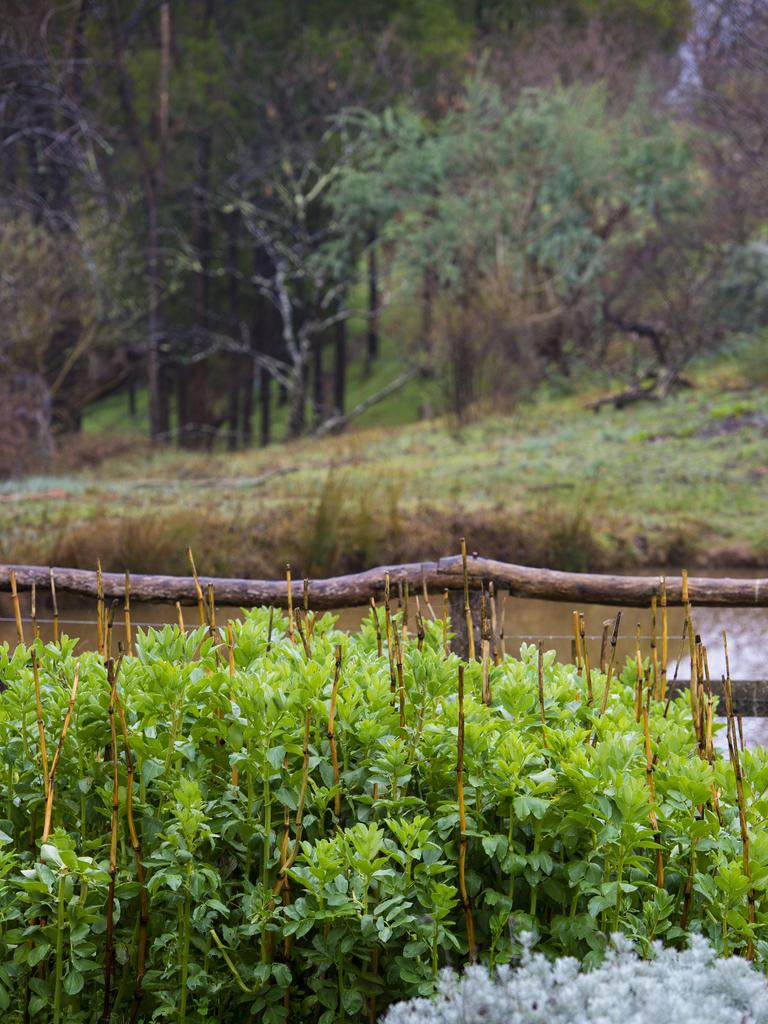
{"x":684,"y":482}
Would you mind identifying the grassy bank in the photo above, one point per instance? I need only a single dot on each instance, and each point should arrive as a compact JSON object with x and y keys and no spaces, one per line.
{"x":683,"y":482}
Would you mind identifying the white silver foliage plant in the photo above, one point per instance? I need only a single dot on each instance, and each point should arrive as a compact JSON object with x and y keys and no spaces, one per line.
{"x":687,"y":986}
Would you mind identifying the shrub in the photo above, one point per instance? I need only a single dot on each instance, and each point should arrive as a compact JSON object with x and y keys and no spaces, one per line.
{"x":292,"y":862}
{"x":672,"y":988}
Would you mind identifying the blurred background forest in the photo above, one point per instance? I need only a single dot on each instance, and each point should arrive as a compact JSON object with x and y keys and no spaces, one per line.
{"x":227,"y":224}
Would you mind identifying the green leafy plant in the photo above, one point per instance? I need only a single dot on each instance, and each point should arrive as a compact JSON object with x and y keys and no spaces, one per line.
{"x":290,"y":843}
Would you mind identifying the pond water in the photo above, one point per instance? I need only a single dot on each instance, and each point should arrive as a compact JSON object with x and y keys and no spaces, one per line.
{"x":525,"y":621}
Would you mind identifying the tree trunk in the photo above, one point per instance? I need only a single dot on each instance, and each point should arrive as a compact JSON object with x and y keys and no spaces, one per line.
{"x":340,"y":369}
{"x":373,"y":303}
{"x":239,"y":365}
{"x":198,"y":431}
{"x":249,"y":383}
{"x":153,"y":320}
{"x":318,"y":384}
{"x":297,"y":416}
{"x":265,"y":405}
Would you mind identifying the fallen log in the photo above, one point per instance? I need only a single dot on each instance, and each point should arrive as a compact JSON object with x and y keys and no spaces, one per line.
{"x":446,"y":573}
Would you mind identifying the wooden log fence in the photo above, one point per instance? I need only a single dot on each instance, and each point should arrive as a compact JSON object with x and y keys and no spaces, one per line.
{"x":357,"y":589}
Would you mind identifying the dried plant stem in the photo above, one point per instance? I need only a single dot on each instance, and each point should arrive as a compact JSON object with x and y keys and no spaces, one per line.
{"x":389,"y":631}
{"x":16,"y":608}
{"x":211,"y":607}
{"x":664,"y":637}
{"x":303,"y":636}
{"x":377,"y":627}
{"x":127,"y":616}
{"x":446,"y":616}
{"x":55,"y":606}
{"x":33,"y":612}
{"x":654,"y":653}
{"x":141,"y":945}
{"x":180,"y":616}
{"x":585,"y":656}
{"x":400,"y":682}
{"x":467,"y":609}
{"x":692,"y":650}
{"x":57,"y":756}
{"x":485,"y":651}
{"x":463,"y":840}
{"x":331,"y":735}
{"x":604,"y":641}
{"x":502,"y":637}
{"x":109,"y":942}
{"x":541,"y":695}
{"x":270,"y":624}
{"x":289,"y":587}
{"x":101,"y":625}
{"x":198,"y":588}
{"x":611,"y":663}
{"x":235,"y":776}
{"x":494,"y":624}
{"x":110,"y":622}
{"x":577,"y":640}
{"x":405,"y":612}
{"x":298,"y":826}
{"x":640,"y":675}
{"x":425,"y":594}
{"x":420,"y":634}
{"x":733,"y":749}
{"x":40,"y":726}
{"x":649,"y":769}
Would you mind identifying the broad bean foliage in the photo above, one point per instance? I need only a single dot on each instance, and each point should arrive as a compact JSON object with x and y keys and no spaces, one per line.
{"x":296,"y":872}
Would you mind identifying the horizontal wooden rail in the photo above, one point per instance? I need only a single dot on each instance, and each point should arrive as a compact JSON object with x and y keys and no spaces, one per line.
{"x":358,"y":588}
